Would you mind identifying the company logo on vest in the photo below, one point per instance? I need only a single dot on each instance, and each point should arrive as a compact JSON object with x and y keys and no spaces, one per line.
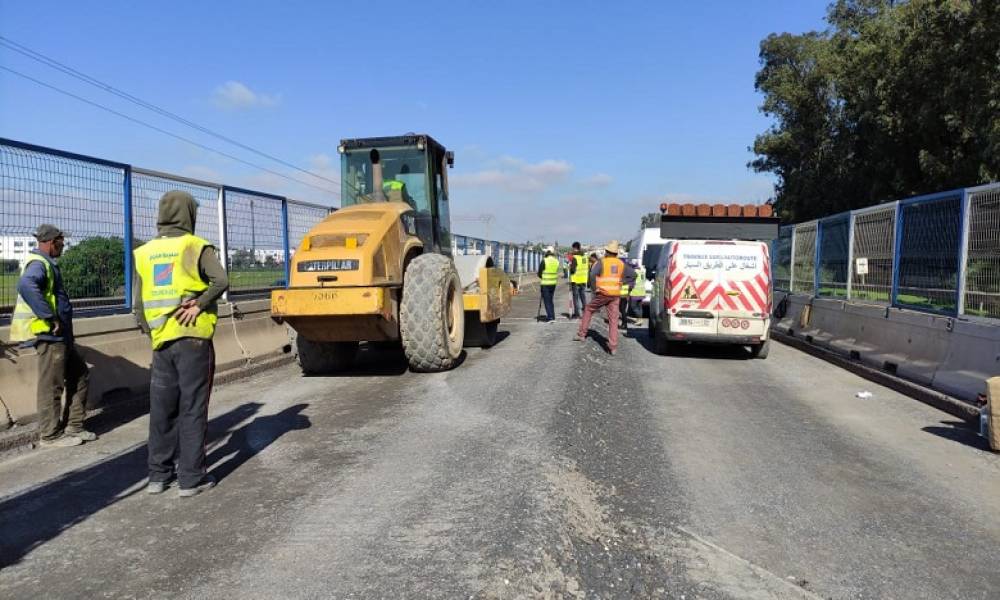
{"x":163,"y":274}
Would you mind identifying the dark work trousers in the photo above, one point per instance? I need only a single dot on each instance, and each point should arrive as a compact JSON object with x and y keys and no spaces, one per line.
{"x":548,"y":293}
{"x":60,"y":367}
{"x":579,"y":292}
{"x":180,"y":384}
{"x":623,"y":311}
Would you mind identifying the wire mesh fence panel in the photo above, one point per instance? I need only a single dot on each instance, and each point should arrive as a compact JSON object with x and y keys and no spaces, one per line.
{"x":302,"y":218}
{"x":782,"y":257}
{"x":928,"y":254}
{"x":83,"y":199}
{"x":982,"y":273}
{"x":147,"y":190}
{"x":804,"y":265}
{"x":255,"y":243}
{"x":874,"y":252}
{"x":834,"y":243}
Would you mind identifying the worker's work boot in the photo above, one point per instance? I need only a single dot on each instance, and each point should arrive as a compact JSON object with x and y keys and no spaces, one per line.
{"x":578,"y":338}
{"x":83,"y":434}
{"x":207,"y":482}
{"x":63,"y":441}
{"x":156,"y":487}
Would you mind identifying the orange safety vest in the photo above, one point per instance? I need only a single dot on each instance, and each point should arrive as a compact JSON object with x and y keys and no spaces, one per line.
{"x":609,"y":282}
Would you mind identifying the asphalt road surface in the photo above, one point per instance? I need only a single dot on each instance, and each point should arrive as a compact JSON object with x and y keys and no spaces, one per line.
{"x":540,"y":468}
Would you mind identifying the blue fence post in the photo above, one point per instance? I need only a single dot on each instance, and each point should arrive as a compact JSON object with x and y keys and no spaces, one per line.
{"x":284,"y":241}
{"x":127,"y":218}
{"x":963,"y":252}
{"x":897,"y":255}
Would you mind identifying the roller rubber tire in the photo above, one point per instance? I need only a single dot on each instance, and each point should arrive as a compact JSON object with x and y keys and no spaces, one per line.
{"x":432,"y":314}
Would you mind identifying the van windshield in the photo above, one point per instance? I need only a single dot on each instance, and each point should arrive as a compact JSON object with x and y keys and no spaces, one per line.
{"x":651,"y":256}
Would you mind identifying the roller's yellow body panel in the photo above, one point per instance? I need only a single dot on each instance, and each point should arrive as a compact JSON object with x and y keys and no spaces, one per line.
{"x":363,"y":304}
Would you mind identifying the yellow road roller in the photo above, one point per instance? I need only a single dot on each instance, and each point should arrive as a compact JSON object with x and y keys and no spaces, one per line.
{"x":380,"y":269}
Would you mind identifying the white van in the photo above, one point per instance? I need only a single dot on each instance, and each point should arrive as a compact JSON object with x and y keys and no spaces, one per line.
{"x":715,"y":291}
{"x":647,"y":247}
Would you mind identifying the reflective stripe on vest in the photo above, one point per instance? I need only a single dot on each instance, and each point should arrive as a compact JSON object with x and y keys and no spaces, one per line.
{"x":579,"y":276}
{"x":609,"y":282}
{"x":550,"y":271}
{"x":392,"y":184}
{"x":24,"y":325}
{"x":639,"y":289}
{"x":168,"y":268}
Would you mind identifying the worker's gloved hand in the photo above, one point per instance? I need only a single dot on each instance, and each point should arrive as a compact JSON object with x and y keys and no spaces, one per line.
{"x":56,"y":327}
{"x":187,"y":313}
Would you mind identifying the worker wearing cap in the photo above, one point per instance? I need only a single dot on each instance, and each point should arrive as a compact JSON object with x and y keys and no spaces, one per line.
{"x":178,"y":280}
{"x":43,"y":319}
{"x":548,"y":276}
{"x":578,"y":272}
{"x":608,"y":275}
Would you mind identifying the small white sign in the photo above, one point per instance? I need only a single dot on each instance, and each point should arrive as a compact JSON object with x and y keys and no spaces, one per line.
{"x":861,"y":266}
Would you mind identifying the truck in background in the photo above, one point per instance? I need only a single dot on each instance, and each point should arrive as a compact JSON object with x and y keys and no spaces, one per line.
{"x":713,"y":278}
{"x":647,"y":247}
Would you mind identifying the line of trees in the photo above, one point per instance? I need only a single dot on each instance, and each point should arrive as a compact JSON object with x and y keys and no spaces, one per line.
{"x":896,"y":98}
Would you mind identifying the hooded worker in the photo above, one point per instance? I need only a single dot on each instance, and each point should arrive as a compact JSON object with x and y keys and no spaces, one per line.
{"x":178,"y":282}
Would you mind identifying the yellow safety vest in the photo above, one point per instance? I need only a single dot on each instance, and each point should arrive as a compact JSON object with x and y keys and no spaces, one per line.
{"x":24,"y":325}
{"x":639,"y":289}
{"x":550,"y":272}
{"x":168,"y":267}
{"x":579,"y":276}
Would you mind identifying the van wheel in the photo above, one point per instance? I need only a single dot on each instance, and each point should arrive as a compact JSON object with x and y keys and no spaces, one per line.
{"x":760,"y":350}
{"x":661,"y":345}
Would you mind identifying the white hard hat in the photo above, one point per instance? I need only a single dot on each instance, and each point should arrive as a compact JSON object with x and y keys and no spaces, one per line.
{"x":550,"y":250}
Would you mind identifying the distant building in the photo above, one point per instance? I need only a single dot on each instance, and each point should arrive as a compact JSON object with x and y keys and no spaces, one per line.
{"x":17,"y":247}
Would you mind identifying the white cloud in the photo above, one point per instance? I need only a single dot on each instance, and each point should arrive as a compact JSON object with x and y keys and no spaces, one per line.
{"x":515,"y":175}
{"x":600,"y":180}
{"x":234,"y":95}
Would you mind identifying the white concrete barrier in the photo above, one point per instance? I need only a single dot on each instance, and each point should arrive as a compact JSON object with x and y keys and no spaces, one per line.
{"x":952,"y":355}
{"x":119,"y":355}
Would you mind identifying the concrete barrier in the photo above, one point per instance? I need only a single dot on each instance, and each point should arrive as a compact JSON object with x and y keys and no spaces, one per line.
{"x":952,"y":355}
{"x":119,"y":355}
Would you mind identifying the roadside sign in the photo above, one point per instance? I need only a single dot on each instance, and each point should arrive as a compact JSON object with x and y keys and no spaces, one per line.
{"x":861,"y":266}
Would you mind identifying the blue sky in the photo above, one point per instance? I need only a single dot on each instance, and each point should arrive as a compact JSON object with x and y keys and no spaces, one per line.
{"x":568,"y":120}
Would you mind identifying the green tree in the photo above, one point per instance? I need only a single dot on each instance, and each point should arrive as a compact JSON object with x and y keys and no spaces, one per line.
{"x":894,"y":99}
{"x":94,"y":268}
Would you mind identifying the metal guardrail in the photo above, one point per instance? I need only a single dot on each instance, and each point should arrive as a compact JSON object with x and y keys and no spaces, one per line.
{"x":938,"y":253}
{"x":107,"y":209}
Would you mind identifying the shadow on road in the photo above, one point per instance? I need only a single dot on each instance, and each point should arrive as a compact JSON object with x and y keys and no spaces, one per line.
{"x":961,"y":432}
{"x":39,"y":514}
{"x":687,"y":350}
{"x":247,"y":441}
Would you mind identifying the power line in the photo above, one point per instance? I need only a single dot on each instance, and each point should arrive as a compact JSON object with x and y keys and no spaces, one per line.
{"x":54,"y":64}
{"x":164,"y":131}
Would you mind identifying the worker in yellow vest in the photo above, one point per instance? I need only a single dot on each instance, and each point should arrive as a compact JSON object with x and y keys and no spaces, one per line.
{"x":609,"y":275}
{"x":638,"y":292}
{"x":578,"y":272}
{"x":178,"y":281}
{"x":43,"y":320}
{"x":548,"y":277}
